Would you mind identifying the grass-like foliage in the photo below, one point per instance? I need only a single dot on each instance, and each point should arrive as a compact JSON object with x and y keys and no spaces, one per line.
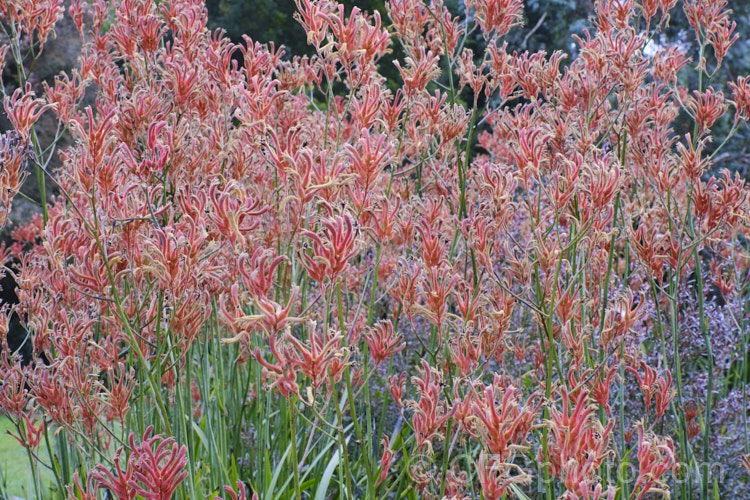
{"x":516,"y":276}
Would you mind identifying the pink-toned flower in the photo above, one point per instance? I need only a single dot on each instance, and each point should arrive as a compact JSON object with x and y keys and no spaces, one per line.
{"x":741,"y":93}
{"x":706,"y":107}
{"x":117,"y":481}
{"x":385,"y":459}
{"x":502,"y":422}
{"x":330,"y":253}
{"x":497,"y":16}
{"x":159,"y":466}
{"x":655,"y":458}
{"x":431,"y":412}
{"x":496,"y":476}
{"x":239,"y":494}
{"x":383,"y":341}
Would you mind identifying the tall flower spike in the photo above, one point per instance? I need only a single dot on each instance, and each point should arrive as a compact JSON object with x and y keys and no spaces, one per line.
{"x":503,"y":427}
{"x":160,"y":466}
{"x":314,"y":359}
{"x":430,"y":412}
{"x":420,"y":69}
{"x":33,"y":430}
{"x":78,"y":491}
{"x":497,"y":16}
{"x":741,"y":93}
{"x":369,"y":157}
{"x":117,"y":482}
{"x":651,"y":386}
{"x":282,"y":375}
{"x":386,"y":459}
{"x":706,"y":108}
{"x":721,"y":37}
{"x":383,"y":342}
{"x":234,"y":495}
{"x":396,"y":387}
{"x":496,"y":476}
{"x":330,"y":253}
{"x":23,"y":110}
{"x":655,"y":458}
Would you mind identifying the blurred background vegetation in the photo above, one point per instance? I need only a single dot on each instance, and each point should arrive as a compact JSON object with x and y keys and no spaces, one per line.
{"x":549,"y":25}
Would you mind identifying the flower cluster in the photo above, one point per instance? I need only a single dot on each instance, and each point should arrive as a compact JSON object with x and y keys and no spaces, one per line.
{"x":505,"y":264}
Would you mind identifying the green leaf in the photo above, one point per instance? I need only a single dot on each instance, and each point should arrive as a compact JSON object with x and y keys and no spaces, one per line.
{"x":716,"y":488}
{"x":325,"y":479}
{"x":234,"y":474}
{"x":277,"y":473}
{"x":312,"y":465}
{"x":201,"y":435}
{"x":520,"y":494}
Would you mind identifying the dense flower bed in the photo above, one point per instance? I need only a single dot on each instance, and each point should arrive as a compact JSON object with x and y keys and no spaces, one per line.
{"x":512,"y":276}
